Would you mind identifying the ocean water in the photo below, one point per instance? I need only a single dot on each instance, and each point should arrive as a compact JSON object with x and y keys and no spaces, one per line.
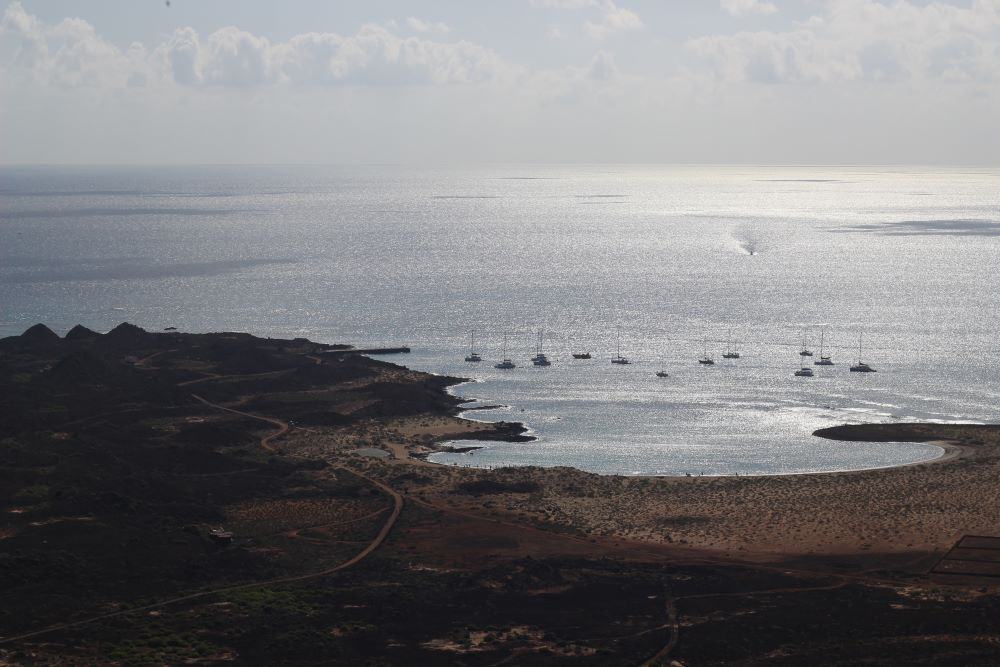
{"x":395,"y":255}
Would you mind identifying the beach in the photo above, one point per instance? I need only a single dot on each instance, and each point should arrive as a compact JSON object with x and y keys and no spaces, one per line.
{"x":920,"y":508}
{"x":298,"y":483}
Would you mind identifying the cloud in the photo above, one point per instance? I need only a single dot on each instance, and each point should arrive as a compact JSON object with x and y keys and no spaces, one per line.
{"x":614,"y":19}
{"x":564,"y":4}
{"x":743,"y":7}
{"x":602,"y":67}
{"x":71,"y":53}
{"x":419,"y":25}
{"x":864,"y":40}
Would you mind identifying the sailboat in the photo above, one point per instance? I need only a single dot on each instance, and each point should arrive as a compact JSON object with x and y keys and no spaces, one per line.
{"x":538,"y":348}
{"x":706,"y":360}
{"x":662,"y":374}
{"x":824,"y":359}
{"x":473,"y":355}
{"x":506,"y":363}
{"x":540,"y":359}
{"x":861,"y":367}
{"x":730,"y":352}
{"x":582,"y":355}
{"x":618,"y":358}
{"x":805,"y":352}
{"x":804,"y":372}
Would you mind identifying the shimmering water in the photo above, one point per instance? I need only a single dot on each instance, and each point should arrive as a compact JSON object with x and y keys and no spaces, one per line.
{"x":399,"y":255}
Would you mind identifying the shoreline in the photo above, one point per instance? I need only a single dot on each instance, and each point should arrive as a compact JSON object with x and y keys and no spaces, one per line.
{"x":950,"y":451}
{"x":265,"y":478}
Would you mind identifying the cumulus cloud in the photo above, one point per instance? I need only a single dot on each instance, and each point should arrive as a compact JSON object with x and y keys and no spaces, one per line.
{"x":420,"y":25}
{"x":743,"y":7}
{"x":564,"y":4}
{"x":613,"y":19}
{"x":71,"y":53}
{"x":864,"y":40}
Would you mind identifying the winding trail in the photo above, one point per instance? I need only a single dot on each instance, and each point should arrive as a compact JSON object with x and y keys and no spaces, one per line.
{"x":397,"y":508}
{"x":675,"y":634}
{"x":265,"y":442}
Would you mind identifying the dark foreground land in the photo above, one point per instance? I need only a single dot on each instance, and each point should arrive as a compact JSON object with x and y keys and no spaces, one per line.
{"x":199,"y":499}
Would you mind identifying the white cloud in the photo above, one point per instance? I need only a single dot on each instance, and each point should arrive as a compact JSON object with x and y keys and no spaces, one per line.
{"x":232,"y":56}
{"x":864,"y":40}
{"x":603,"y":67}
{"x":420,"y":25}
{"x":613,"y":19}
{"x":564,"y":4}
{"x":743,"y":7}
{"x":71,"y":53}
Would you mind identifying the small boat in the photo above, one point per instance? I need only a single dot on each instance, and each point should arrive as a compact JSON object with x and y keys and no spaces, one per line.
{"x":506,"y":363}
{"x":538,"y":349}
{"x":804,"y":372}
{"x":805,"y":352}
{"x":540,"y":359}
{"x":581,"y":355}
{"x":824,"y":359}
{"x":662,"y":374}
{"x":730,"y":352}
{"x":706,"y":360}
{"x":618,"y":358}
{"x":473,"y":356}
{"x":861,"y":367}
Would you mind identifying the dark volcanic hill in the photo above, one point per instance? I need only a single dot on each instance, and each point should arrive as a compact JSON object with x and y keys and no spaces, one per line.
{"x":80,"y":332}
{"x":39,"y":333}
{"x":126,"y":336}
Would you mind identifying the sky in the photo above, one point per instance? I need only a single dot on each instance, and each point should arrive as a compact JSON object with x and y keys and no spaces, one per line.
{"x":547,"y":81}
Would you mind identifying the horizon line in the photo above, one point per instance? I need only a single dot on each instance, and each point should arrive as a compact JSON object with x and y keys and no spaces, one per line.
{"x":457,"y":163}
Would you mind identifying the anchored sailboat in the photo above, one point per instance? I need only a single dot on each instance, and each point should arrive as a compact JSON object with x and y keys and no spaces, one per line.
{"x":506,"y":363}
{"x":861,"y":367}
{"x":706,"y":360}
{"x":730,"y":352}
{"x":805,"y":352}
{"x":824,"y":359}
{"x":540,"y":359}
{"x":618,"y":358}
{"x":473,"y":355}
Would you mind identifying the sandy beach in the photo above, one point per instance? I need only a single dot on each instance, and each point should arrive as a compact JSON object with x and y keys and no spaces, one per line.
{"x":302,"y":491}
{"x":919,"y":508}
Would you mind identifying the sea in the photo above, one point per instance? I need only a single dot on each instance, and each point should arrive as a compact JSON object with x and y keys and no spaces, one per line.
{"x":669,"y":262}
